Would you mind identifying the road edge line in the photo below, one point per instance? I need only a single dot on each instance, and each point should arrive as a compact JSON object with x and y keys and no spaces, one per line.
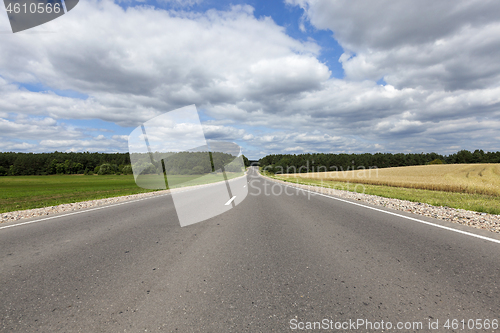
{"x":81,"y":211}
{"x":392,"y":213}
{"x":180,"y":189}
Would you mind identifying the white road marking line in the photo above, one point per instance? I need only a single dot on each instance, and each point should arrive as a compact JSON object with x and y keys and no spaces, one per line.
{"x":83,"y":211}
{"x":399,"y":215}
{"x":181,"y":189}
{"x":230,"y":200}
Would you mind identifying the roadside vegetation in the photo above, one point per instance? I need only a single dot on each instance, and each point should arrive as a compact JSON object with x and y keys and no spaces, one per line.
{"x":456,"y":186}
{"x":40,"y":180}
{"x":28,"y":192}
{"x":463,"y":178}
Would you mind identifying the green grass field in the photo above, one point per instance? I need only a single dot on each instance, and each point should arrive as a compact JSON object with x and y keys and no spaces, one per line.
{"x":27,"y":192}
{"x":475,"y":202}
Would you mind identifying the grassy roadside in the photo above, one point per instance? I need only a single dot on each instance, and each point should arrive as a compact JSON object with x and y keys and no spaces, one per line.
{"x":463,"y":178}
{"x":475,"y":202}
{"x":28,"y":192}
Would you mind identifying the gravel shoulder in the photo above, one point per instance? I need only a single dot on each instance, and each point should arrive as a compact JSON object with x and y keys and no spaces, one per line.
{"x":469,"y":218}
{"x":64,"y":208}
{"x":473,"y":219}
{"x":44,"y":211}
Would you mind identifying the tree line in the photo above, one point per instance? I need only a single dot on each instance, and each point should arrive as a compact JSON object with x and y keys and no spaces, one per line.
{"x":288,"y":163}
{"x":185,"y":163}
{"x":24,"y":164}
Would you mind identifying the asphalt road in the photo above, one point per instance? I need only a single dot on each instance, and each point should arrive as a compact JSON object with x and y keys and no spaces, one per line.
{"x":271,"y":264}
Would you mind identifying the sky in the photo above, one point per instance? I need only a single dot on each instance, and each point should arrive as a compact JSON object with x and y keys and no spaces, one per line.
{"x":292,"y":76}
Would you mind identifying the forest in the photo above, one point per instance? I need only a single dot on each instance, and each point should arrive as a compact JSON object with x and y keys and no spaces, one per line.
{"x":287,"y":163}
{"x":24,"y":164}
{"x":185,"y":163}
{"x":13,"y":164}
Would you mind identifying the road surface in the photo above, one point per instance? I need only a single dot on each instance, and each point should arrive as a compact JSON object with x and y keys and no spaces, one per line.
{"x":274,"y":263}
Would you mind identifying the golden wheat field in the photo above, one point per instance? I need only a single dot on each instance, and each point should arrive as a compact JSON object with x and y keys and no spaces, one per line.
{"x":465,"y":178}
